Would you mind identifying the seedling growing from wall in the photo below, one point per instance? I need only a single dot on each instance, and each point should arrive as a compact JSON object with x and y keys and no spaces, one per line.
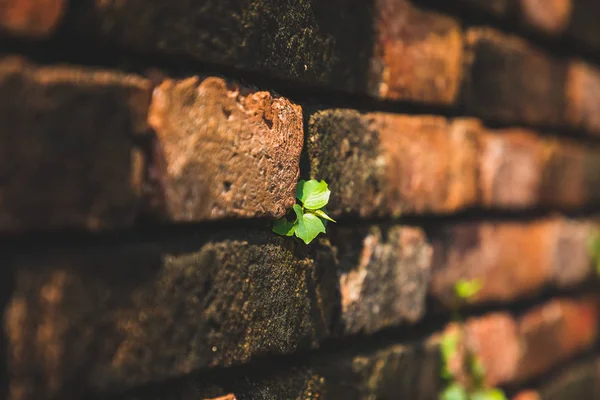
{"x":311,"y":216}
{"x":475,"y":389}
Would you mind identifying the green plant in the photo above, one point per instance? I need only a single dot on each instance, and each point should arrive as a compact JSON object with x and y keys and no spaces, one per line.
{"x":594,"y":249}
{"x":475,"y":389}
{"x":311,"y":216}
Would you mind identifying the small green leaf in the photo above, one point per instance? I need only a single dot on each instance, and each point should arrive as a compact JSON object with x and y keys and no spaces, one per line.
{"x":308,"y":226}
{"x":448,"y":349}
{"x":488,"y":394}
{"x":477,"y":369}
{"x":466,"y":289}
{"x":313,"y":194}
{"x":322,"y":214}
{"x":283,"y":227}
{"x":454,"y":392}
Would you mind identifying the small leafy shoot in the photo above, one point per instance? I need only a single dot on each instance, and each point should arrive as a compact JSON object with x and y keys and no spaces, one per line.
{"x":454,"y":392}
{"x":311,"y":217}
{"x":465,"y":289}
{"x":308,"y":226}
{"x":594,"y":250}
{"x":284,"y":227}
{"x":448,"y":348}
{"x":313,"y":194}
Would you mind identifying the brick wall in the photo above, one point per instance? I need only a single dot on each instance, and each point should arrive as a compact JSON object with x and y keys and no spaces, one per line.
{"x":146,"y":146}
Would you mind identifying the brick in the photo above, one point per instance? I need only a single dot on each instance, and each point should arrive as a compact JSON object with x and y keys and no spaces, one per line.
{"x":223,"y":150}
{"x":511,"y":260}
{"x":341,"y":45}
{"x":511,"y":168}
{"x":510,"y":81}
{"x":109,"y":318}
{"x":570,"y":180}
{"x":566,"y":326}
{"x":582,"y":94}
{"x":548,"y":16}
{"x":381,"y":164}
{"x":419,"y":54}
{"x":67,"y":133}
{"x":383,"y":276}
{"x":31,"y":18}
{"x":389,"y":372}
{"x":516,"y":349}
{"x":578,"y":381}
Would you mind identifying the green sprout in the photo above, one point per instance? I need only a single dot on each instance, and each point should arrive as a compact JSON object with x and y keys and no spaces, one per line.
{"x":465,"y":289}
{"x":594,"y":250}
{"x":311,"y":216}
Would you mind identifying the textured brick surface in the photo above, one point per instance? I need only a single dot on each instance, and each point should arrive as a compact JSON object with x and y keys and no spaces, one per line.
{"x":514,"y":349}
{"x":110,"y":318}
{"x":384,"y":164}
{"x":384,"y":275}
{"x":386,"y":48}
{"x":508,"y":80}
{"x":66,"y":147}
{"x":549,"y":16}
{"x":576,"y":381}
{"x":223,"y":150}
{"x":393,"y":371}
{"x":511,"y":260}
{"x":31,"y":18}
{"x":582,"y":93}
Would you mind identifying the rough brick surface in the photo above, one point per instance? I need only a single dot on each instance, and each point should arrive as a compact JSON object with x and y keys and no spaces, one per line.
{"x":578,"y":381}
{"x":393,"y":371}
{"x":110,"y":318}
{"x":223,"y":150}
{"x":419,"y":54}
{"x":384,"y":275}
{"x":66,"y":148}
{"x":384,"y":164}
{"x":515,"y":349}
{"x":343,"y":45}
{"x":508,"y":80}
{"x":554,"y":332}
{"x":549,"y":16}
{"x":31,"y":18}
{"x":511,"y":260}
{"x":582,"y":93}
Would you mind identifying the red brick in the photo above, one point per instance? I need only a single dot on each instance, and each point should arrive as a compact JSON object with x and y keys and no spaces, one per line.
{"x":548,"y":16}
{"x":582,"y":92}
{"x":386,"y":48}
{"x":511,"y":169}
{"x":555,"y":331}
{"x":31,"y":18}
{"x":112,"y":317}
{"x":224,"y":150}
{"x":387,"y":164}
{"x":383,"y":276}
{"x":508,"y":80}
{"x":527,"y":395}
{"x":419,"y":54}
{"x":67,"y":157}
{"x":511,"y":260}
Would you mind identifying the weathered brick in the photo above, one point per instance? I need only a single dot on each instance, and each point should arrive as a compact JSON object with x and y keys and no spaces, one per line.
{"x":549,"y":16}
{"x":555,"y":331}
{"x":582,"y":94}
{"x":383,"y":276}
{"x":387,"y":48}
{"x":511,"y":168}
{"x":578,"y":381}
{"x":508,"y":80}
{"x":66,"y":148}
{"x":511,"y":260}
{"x":223,"y":150}
{"x":515,"y":349}
{"x":109,"y":318}
{"x":31,"y":18}
{"x":385,"y":164}
{"x":394,"y":371}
